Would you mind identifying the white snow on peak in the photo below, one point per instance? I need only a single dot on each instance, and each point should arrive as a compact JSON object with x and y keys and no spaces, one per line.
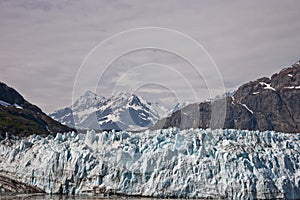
{"x":96,"y":112}
{"x":290,"y":75}
{"x":194,"y":163}
{"x":86,"y":101}
{"x":86,"y":105}
{"x":267,"y":86}
{"x":122,"y":95}
{"x":255,"y":93}
{"x":129,"y":111}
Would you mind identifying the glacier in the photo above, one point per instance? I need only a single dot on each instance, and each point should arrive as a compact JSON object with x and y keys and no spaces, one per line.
{"x":192,"y":163}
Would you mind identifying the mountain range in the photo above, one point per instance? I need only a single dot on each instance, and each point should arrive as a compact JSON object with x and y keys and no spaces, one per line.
{"x":264,"y":104}
{"x":122,"y":111}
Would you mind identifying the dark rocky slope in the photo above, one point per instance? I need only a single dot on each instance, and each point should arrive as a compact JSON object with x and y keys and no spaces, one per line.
{"x":265,"y":104}
{"x":20,"y":118}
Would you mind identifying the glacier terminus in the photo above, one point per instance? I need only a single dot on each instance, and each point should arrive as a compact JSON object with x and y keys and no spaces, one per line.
{"x":193,"y":163}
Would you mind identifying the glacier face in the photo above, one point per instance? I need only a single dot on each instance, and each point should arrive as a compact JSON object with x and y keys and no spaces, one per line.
{"x":164,"y":163}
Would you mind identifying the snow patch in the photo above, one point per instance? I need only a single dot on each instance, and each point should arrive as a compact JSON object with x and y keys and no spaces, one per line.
{"x":293,"y":87}
{"x":18,"y":106}
{"x":109,"y":118}
{"x":247,"y":108}
{"x":4,"y":103}
{"x":47,"y":128}
{"x":267,"y":86}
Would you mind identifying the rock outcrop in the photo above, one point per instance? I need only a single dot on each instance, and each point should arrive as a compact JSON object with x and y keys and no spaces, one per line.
{"x":265,"y":104}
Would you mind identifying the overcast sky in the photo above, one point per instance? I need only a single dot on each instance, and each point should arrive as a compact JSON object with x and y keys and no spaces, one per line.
{"x":43,"y":44}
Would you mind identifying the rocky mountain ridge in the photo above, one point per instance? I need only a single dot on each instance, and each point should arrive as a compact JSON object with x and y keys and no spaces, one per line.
{"x":121,"y":111}
{"x":264,"y":104}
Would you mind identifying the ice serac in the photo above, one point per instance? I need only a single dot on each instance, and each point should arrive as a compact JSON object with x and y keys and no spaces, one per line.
{"x":164,"y":163}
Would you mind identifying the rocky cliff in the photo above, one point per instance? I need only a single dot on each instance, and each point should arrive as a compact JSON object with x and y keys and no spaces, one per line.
{"x":264,"y":104}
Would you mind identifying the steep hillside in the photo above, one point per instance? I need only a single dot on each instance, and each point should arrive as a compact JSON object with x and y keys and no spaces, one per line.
{"x":19,"y":117}
{"x":264,"y":104}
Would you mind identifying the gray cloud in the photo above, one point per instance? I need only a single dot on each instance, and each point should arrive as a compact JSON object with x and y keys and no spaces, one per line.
{"x":43,"y":43}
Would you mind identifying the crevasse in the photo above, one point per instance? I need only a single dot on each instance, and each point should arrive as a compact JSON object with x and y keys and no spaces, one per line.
{"x":164,"y":163}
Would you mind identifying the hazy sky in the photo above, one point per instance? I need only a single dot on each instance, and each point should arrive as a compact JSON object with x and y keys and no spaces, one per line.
{"x":43,"y":44}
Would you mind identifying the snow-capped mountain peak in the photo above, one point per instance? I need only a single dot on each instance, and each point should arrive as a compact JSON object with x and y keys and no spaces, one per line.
{"x":88,"y":100}
{"x":122,"y":95}
{"x":122,"y":111}
{"x":78,"y":113}
{"x":126,"y":111}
